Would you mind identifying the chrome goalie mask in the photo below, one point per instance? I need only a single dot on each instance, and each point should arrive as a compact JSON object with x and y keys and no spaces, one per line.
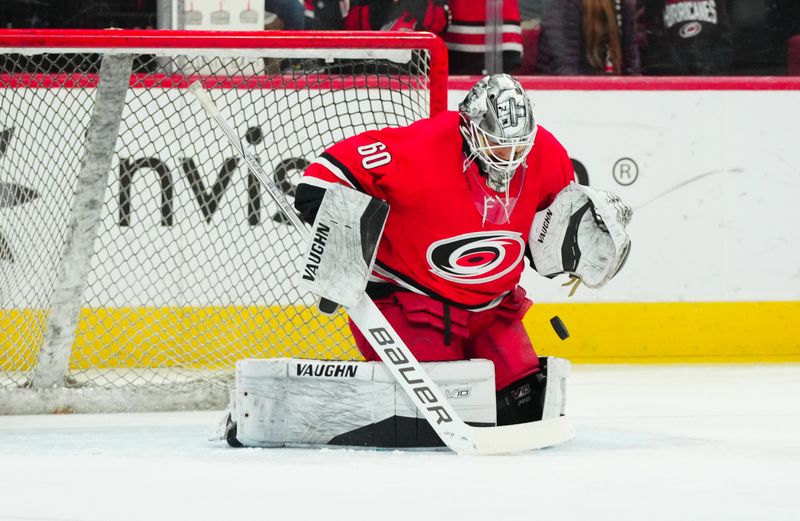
{"x":498,"y":123}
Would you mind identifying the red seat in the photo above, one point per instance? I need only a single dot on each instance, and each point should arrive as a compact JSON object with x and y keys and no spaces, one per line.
{"x":793,"y":55}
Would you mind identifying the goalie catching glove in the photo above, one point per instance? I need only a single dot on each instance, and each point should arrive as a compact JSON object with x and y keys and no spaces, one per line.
{"x":582,"y":233}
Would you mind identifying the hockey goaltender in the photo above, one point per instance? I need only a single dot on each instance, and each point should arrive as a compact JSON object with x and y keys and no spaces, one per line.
{"x":440,"y":214}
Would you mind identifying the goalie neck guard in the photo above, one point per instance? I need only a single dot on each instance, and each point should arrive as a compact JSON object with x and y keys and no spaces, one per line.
{"x":499,"y":126}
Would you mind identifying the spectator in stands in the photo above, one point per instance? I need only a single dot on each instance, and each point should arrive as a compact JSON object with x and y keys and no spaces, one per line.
{"x":466,"y":36}
{"x":758,"y":46}
{"x":290,"y":12}
{"x":530,"y":12}
{"x":20,"y":15}
{"x":687,"y":37}
{"x":398,"y":15}
{"x":530,"y":9}
{"x":761,"y":31}
{"x":78,"y":14}
{"x":785,"y":16}
{"x":325,"y":15}
{"x":588,"y":37}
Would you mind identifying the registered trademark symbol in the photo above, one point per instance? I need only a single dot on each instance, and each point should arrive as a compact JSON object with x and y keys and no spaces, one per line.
{"x":625,"y":171}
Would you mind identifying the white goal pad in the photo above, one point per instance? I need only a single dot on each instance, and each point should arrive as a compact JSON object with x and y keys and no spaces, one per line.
{"x":555,"y":394}
{"x":292,"y":402}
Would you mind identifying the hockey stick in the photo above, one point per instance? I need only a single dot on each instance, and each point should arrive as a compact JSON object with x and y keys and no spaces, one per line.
{"x":418,"y":385}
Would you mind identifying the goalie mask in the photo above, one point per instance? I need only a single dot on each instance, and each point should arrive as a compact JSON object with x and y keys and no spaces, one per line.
{"x":498,"y":124}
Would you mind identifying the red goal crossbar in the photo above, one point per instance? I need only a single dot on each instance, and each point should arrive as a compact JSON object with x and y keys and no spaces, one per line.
{"x":155,"y":39}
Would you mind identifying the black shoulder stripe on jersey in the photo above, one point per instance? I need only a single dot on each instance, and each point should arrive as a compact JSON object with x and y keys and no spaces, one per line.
{"x":427,"y":291}
{"x":307,"y":200}
{"x":346,"y":171}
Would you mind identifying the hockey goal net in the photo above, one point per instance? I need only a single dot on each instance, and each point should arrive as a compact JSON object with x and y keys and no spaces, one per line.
{"x":139,"y":259}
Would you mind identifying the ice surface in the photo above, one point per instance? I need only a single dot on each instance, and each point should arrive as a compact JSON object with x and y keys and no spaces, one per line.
{"x":672,"y":443}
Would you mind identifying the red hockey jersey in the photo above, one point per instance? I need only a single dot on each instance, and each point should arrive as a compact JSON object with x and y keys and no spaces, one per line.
{"x":467,"y":30}
{"x":438,"y":240}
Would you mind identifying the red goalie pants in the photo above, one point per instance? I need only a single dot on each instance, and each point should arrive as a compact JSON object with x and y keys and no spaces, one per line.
{"x":495,"y":334}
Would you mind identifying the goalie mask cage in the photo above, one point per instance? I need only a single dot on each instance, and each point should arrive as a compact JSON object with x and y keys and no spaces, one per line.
{"x":139,"y":259}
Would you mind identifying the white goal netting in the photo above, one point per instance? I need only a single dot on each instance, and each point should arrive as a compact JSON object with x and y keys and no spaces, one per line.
{"x":139,"y":259}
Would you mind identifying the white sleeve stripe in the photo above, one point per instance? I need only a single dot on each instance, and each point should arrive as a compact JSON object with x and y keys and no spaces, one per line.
{"x":334,"y":170}
{"x":314,"y":181}
{"x":462,"y":47}
{"x":472,"y":29}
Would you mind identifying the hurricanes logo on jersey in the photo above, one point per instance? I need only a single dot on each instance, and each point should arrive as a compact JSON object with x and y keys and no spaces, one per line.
{"x":475,"y":258}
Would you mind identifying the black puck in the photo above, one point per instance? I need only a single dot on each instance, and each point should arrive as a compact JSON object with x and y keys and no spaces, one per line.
{"x":559,"y":328}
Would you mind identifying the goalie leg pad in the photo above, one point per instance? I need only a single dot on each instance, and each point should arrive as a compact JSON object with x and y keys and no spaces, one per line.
{"x":298,"y":403}
{"x":538,"y":396}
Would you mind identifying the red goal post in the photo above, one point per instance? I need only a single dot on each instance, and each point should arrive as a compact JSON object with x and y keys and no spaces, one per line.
{"x":139,"y":259}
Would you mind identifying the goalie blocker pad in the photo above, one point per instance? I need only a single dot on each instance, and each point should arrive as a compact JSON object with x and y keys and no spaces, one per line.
{"x":301,"y":403}
{"x":343,"y":245}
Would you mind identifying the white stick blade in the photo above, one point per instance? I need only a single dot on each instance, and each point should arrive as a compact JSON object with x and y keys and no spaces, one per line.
{"x":522,"y":437}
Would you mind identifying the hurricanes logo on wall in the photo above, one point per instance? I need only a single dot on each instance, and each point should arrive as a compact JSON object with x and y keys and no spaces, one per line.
{"x":11,"y":194}
{"x":475,"y":258}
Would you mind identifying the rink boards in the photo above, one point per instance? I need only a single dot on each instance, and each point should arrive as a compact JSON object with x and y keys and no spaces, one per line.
{"x":713,"y":176}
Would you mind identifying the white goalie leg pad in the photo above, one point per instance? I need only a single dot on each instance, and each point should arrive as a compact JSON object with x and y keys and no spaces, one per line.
{"x":343,"y":245}
{"x":555,"y":392}
{"x":295,"y":403}
{"x":582,"y":233}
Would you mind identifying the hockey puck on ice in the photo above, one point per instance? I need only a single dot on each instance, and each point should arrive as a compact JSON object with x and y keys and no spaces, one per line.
{"x":559,"y":328}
